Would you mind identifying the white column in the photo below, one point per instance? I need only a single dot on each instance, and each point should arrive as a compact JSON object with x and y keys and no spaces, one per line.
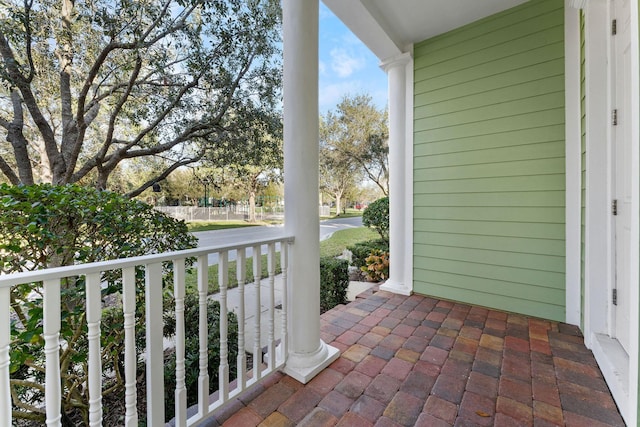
{"x":308,"y":354}
{"x":399,"y":201}
{"x":573,"y":163}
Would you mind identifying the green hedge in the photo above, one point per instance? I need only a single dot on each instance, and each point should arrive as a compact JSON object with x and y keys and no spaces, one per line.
{"x":334,"y":281}
{"x":192,"y":345}
{"x":361,"y":251}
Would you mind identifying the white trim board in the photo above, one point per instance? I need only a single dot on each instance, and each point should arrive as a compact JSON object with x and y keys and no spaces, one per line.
{"x":619,"y":368}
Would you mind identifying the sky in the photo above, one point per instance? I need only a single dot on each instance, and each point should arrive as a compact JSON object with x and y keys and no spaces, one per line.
{"x":347,"y":67}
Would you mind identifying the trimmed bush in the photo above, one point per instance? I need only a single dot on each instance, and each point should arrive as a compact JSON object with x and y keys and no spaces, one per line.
{"x":43,"y":226}
{"x":192,"y":345}
{"x":361,"y":251}
{"x":376,"y":216}
{"x":334,"y":281}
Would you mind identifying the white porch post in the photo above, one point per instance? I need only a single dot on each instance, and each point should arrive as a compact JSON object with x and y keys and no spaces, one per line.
{"x":398,"y":282}
{"x":308,"y":354}
{"x":573,"y":162}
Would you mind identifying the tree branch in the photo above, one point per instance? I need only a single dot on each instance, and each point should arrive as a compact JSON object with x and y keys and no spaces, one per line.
{"x":163,"y":175}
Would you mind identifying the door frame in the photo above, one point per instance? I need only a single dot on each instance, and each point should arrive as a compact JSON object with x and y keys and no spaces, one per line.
{"x":619,"y":368}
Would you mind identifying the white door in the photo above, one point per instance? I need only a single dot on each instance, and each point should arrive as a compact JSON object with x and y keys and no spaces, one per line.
{"x":622,"y":171}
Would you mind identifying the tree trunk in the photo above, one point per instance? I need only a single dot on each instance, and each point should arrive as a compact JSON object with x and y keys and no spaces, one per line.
{"x":338,"y":200}
{"x":252,"y":206}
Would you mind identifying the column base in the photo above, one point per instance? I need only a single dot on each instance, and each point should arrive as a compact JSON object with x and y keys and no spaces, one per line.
{"x":396,"y":288}
{"x":303,"y":367}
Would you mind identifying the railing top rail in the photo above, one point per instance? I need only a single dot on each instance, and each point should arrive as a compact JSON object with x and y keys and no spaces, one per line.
{"x":14,"y":279}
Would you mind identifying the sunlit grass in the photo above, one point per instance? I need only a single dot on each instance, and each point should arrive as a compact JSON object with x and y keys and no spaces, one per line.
{"x":332,"y":246}
{"x":339,"y":240}
{"x":191,"y":279}
{"x":220,"y":225}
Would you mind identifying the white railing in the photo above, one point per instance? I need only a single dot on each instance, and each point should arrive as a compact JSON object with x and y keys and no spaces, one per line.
{"x":154,"y":353}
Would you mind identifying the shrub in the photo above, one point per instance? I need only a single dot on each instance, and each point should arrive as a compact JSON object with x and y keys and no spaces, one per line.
{"x":377,"y":266}
{"x":45,"y":226}
{"x":376,"y":216}
{"x":360,"y":251}
{"x":334,"y":281}
{"x":192,"y":359}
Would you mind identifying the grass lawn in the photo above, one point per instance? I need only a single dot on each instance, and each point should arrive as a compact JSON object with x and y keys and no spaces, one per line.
{"x":339,"y":240}
{"x":349,"y":214}
{"x":333,"y":246}
{"x":191,"y":279}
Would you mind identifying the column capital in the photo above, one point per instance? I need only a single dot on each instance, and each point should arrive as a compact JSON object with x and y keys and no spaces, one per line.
{"x":578,"y":4}
{"x":396,"y":61}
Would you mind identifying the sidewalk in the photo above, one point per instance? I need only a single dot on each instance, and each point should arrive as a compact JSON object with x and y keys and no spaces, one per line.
{"x":250,"y":301}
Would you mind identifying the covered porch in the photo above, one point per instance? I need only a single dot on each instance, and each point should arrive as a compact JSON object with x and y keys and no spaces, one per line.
{"x":389,"y":358}
{"x":414,"y":360}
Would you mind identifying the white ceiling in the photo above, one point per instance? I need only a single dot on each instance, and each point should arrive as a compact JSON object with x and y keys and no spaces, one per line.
{"x":388,"y":27}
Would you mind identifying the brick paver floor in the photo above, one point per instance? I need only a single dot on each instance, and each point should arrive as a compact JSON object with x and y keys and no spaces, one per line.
{"x":419,"y":361}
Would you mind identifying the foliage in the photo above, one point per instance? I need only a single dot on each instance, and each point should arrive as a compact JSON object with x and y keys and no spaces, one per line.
{"x":377,"y":266}
{"x":376,"y":215}
{"x":192,"y":357}
{"x":258,"y":163}
{"x":334,"y":281}
{"x":357,"y":132}
{"x":45,"y":226}
{"x":86,"y":87}
{"x":361,"y":251}
{"x":48,"y":226}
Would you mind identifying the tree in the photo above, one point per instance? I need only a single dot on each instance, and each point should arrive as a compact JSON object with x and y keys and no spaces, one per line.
{"x":257,"y":159}
{"x":87,"y":86}
{"x":338,"y":172}
{"x":338,"y":175}
{"x":358,"y":131}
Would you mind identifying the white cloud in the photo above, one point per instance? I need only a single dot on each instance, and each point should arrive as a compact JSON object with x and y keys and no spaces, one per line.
{"x":351,"y":39}
{"x":322,"y":68}
{"x":331,"y":94}
{"x":344,"y":62}
{"x":324,"y":12}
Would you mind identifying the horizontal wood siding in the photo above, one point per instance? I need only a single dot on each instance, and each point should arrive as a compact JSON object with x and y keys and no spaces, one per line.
{"x":489,"y":192}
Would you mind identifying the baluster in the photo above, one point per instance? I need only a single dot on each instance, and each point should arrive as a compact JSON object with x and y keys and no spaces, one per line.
{"x":271,"y":268}
{"x":284,"y":265}
{"x":181,"y":389}
{"x":155,"y":355}
{"x":242,"y":358}
{"x":203,"y":378}
{"x":94,"y":314}
{"x":5,"y":346}
{"x":51,"y":335}
{"x":223,"y":369}
{"x":257,"y":352}
{"x":130,"y":357}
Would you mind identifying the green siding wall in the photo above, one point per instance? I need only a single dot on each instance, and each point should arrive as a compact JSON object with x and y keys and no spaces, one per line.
{"x":489,"y":162}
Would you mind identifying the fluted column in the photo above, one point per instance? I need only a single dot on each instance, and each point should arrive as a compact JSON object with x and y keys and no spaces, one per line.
{"x":308,"y":354}
{"x":399,"y":228}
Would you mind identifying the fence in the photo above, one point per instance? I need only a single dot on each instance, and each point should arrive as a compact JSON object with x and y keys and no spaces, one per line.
{"x":49,"y":282}
{"x":227,"y":213}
